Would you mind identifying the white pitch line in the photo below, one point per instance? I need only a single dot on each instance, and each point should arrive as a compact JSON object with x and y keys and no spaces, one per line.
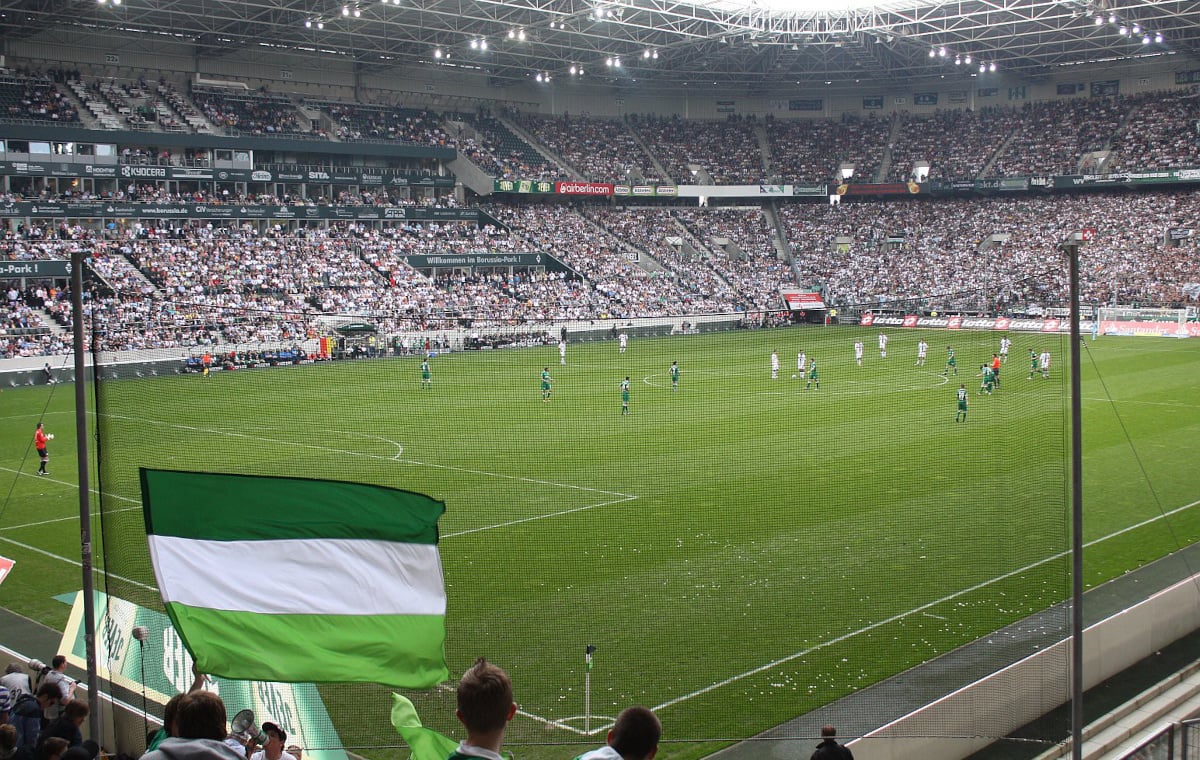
{"x":1150,"y":403}
{"x":901,"y":615}
{"x":371,"y":456}
{"x":76,"y":563}
{"x":584,"y":508}
{"x":66,"y":519}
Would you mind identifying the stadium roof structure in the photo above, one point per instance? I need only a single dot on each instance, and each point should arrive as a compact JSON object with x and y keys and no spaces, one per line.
{"x":747,"y":46}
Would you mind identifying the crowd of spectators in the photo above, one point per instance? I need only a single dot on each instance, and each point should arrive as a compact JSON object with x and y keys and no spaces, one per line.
{"x":976,"y":136}
{"x":366,"y":122}
{"x":1054,"y":137}
{"x":728,"y":150}
{"x":994,"y":254}
{"x":251,"y":113}
{"x":37,"y":99}
{"x":196,"y":285}
{"x":813,"y":150}
{"x":601,"y":150}
{"x":1158,"y":134}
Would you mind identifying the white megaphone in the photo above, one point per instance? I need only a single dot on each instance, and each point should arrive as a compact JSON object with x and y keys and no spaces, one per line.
{"x":244,"y":728}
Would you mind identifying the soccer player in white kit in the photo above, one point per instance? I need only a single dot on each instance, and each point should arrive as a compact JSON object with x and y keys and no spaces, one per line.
{"x":883,"y":339}
{"x":922,"y":350}
{"x":1005,"y":343}
{"x":562,"y":352}
{"x":801,"y":365}
{"x":774,"y":365}
{"x":858,"y":352}
{"x":623,"y":340}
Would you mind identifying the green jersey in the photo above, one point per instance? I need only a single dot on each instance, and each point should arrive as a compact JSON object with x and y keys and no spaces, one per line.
{"x":624,"y":390}
{"x":674,"y":373}
{"x":962,"y":399}
{"x":812,"y":371}
{"x":425,"y":370}
{"x":545,"y":380}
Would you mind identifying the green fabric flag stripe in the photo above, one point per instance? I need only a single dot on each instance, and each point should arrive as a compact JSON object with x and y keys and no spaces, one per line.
{"x":225,"y":507}
{"x":397,"y":650}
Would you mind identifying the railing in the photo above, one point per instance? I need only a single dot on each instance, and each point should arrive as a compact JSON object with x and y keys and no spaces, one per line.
{"x":1159,"y":747}
{"x":1189,"y":740}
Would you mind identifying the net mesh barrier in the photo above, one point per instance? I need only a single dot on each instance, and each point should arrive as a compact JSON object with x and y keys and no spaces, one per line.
{"x":753,"y":551}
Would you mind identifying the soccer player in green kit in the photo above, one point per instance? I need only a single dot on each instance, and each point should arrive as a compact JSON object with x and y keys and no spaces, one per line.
{"x":426,"y":377}
{"x":546,"y":387}
{"x":961,"y":415}
{"x":813,"y":377}
{"x":951,"y":362}
{"x":625,"y":396}
{"x":1033,"y":363}
{"x":986,"y":385}
{"x":675,"y":375}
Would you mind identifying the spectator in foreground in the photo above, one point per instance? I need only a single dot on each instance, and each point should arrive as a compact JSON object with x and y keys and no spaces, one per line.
{"x":829,"y":749}
{"x":634,"y":736}
{"x":66,"y":726}
{"x":9,"y":749}
{"x":200,"y":723}
{"x":16,"y":680}
{"x":485,"y":706}
{"x":272,"y":749}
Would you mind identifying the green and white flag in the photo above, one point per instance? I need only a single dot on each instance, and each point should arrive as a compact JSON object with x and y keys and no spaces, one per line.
{"x":290,"y":579}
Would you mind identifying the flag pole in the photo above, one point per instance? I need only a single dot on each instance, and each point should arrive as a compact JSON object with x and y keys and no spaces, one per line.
{"x":587,"y":688}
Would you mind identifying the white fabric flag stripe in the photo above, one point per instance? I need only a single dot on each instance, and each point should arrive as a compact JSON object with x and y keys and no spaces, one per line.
{"x":301,"y":576}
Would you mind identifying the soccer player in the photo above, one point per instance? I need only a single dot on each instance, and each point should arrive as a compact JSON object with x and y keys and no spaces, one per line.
{"x":1033,"y":363}
{"x":961,"y":414}
{"x":675,"y":375}
{"x":546,"y":384}
{"x":205,"y":364}
{"x":562,"y":353}
{"x":1005,"y":344}
{"x":951,"y":362}
{"x":1044,"y":364}
{"x":774,"y":365}
{"x":922,"y":350}
{"x":39,"y":443}
{"x":858,"y":351}
{"x":883,"y":339}
{"x":801,"y":365}
{"x":625,"y":396}
{"x":985,"y":385}
{"x":426,"y":377}
{"x":623,"y":341}
{"x":812,"y":375}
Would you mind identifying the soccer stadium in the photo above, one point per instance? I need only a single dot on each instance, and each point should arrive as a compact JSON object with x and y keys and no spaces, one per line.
{"x":804,"y":372}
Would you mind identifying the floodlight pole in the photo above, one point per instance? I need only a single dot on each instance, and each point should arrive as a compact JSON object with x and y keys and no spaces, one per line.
{"x":85,"y":506}
{"x":1071,"y":248}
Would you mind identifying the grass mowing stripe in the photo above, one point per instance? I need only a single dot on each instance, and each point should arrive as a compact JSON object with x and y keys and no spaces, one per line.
{"x":922,"y":609}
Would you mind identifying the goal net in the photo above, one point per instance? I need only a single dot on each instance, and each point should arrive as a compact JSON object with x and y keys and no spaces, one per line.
{"x":1132,"y":320}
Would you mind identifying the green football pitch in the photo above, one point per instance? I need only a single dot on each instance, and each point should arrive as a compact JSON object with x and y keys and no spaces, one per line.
{"x":740,"y":550}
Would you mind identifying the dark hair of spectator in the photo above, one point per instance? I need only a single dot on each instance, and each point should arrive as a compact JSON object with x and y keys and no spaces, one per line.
{"x":484,"y":697}
{"x":636,"y":733}
{"x":200,"y":715}
{"x":55,"y":746}
{"x":75,"y":709}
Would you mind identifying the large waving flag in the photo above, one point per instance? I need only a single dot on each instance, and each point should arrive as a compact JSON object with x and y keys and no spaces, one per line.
{"x":289,"y":579}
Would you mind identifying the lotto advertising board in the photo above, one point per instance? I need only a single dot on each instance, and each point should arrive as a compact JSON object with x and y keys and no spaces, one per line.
{"x":955,"y":322}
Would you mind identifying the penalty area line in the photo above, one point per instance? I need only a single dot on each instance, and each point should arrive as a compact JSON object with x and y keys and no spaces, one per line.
{"x":921,"y":609}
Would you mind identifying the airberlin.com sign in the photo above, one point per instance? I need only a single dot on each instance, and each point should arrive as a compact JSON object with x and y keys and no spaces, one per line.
{"x":583,"y":188}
